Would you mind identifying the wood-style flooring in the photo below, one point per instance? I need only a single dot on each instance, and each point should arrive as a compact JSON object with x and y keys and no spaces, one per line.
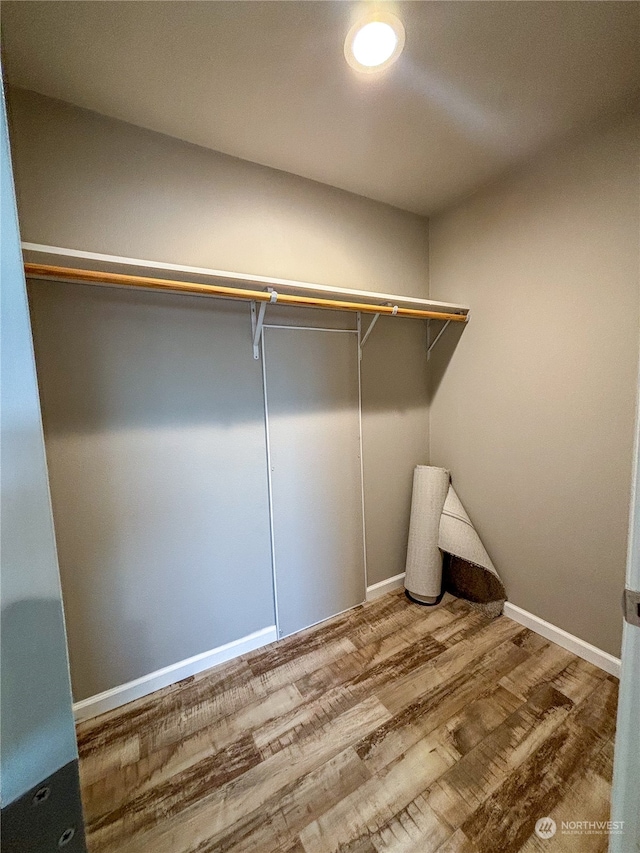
{"x":392,"y":728}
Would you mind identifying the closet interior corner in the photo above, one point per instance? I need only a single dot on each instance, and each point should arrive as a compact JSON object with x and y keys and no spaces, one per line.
{"x":320,"y":331}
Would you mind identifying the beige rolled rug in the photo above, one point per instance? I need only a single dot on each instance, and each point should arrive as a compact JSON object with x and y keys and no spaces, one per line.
{"x":440,"y":526}
{"x":423,"y":579}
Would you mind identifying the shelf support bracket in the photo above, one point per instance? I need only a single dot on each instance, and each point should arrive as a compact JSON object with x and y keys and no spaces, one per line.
{"x":257,"y":321}
{"x":369,"y":330}
{"x":372,"y":324}
{"x":431,"y":345}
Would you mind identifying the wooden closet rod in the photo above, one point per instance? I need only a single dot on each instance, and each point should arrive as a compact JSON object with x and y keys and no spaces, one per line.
{"x":118,"y":280}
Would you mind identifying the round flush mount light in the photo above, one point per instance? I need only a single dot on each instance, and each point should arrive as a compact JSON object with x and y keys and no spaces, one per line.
{"x":374,"y":43}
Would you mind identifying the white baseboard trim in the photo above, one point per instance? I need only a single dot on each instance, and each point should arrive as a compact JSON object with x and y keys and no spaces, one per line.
{"x":117,"y":696}
{"x":378,"y":589}
{"x":124,"y":693}
{"x":574,"y":644}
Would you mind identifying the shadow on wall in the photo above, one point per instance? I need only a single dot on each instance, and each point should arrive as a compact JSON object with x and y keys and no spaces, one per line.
{"x":33,"y":651}
{"x":442,"y":353}
{"x":394,"y":366}
{"x":110,"y":359}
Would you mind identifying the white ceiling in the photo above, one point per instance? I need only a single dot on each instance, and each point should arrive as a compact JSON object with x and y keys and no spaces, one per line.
{"x":479,"y":87}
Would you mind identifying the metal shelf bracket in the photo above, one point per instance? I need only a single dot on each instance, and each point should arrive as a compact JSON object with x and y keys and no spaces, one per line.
{"x":372,"y":324}
{"x":431,"y":345}
{"x":257,"y":320}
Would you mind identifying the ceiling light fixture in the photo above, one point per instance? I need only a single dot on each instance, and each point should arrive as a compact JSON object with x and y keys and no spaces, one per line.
{"x":374,"y":43}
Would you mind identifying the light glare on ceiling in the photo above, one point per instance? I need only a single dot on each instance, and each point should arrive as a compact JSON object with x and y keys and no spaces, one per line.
{"x":374,"y":44}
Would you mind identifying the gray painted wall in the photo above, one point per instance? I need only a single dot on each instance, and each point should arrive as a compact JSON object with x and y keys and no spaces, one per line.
{"x":92,"y":183}
{"x":533,"y":411}
{"x":37,"y":735}
{"x":89,"y":182}
{"x":153,"y":415}
{"x":394,"y":438}
{"x":316,"y":476}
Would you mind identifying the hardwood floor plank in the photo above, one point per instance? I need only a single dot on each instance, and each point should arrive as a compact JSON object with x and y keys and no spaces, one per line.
{"x":544,"y":665}
{"x":294,"y":846}
{"x":178,"y":712}
{"x":389,"y":729}
{"x":381,"y":645}
{"x":457,"y":843}
{"x":310,"y":640}
{"x":380,"y":672}
{"x":411,"y":615}
{"x":280,"y":818}
{"x":377,"y":661}
{"x":588,"y":801}
{"x":226,"y":805}
{"x":112,"y":758}
{"x":415,"y":829}
{"x":176,"y":754}
{"x":478,"y":774}
{"x":436,"y":707}
{"x":467,"y":625}
{"x":539,"y":783}
{"x":182,"y":789}
{"x":350,"y":625}
{"x":303,"y":720}
{"x":479,"y":718}
{"x":362,"y":814}
{"x":531,"y":792}
{"x":599,"y":762}
{"x":310,"y":661}
{"x":530,"y":641}
{"x":200,"y":694}
{"x":453,"y":661}
{"x":224,"y":729}
{"x":598,"y":711}
{"x":578,"y":679}
{"x":356,"y":675}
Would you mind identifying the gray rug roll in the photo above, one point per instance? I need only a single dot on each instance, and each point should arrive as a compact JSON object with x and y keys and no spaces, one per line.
{"x":423,"y":580}
{"x":439,"y":524}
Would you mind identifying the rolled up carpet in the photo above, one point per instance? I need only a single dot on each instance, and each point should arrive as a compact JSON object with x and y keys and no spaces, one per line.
{"x":468,"y":570}
{"x":423,"y":579}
